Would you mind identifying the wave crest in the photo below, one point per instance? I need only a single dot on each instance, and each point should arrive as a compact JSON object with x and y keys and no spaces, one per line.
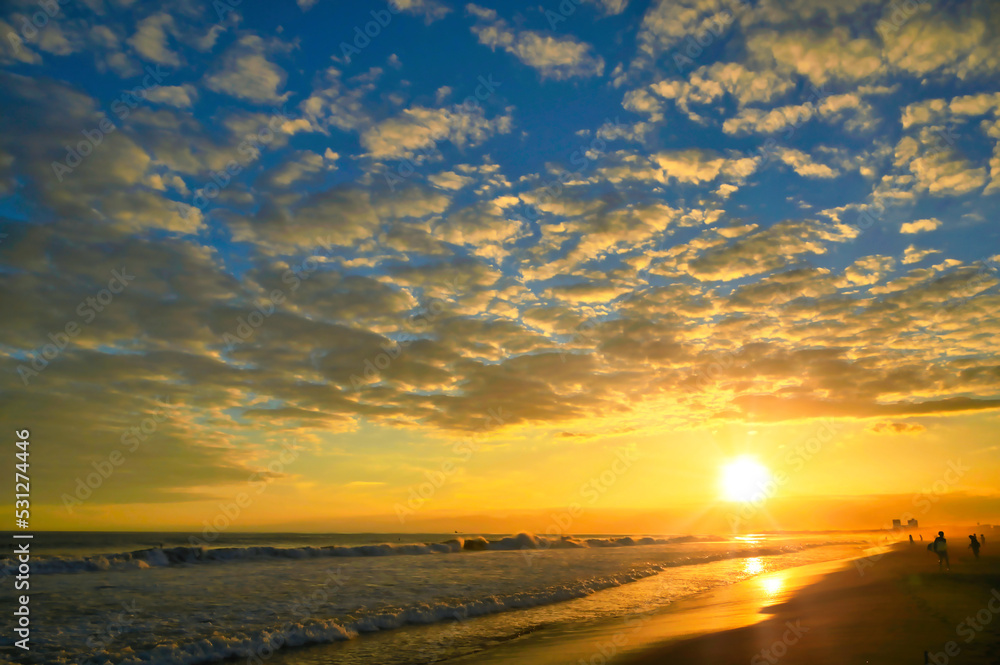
{"x":172,"y":556}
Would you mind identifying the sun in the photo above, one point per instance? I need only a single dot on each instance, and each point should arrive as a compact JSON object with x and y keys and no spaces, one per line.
{"x":743,"y":478}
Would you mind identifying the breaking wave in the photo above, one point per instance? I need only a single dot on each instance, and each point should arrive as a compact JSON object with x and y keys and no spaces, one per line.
{"x":174,"y":556}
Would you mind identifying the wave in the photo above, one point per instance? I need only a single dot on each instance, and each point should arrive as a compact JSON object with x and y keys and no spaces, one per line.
{"x":256,"y":646}
{"x":173,"y":556}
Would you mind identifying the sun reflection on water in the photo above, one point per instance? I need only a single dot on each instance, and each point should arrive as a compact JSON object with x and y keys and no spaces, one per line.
{"x":771,"y":583}
{"x":753,"y":566}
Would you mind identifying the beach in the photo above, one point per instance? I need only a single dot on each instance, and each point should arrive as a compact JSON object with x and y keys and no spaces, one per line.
{"x":395,"y":599}
{"x":886,"y":609}
{"x":355,"y":599}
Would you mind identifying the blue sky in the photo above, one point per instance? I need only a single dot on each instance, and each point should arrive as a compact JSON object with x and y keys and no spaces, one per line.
{"x":568,"y":211}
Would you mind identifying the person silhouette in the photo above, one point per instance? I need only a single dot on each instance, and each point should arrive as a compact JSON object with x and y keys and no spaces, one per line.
{"x":911,"y":539}
{"x":974,"y":545}
{"x":982,"y":539}
{"x":921,"y":537}
{"x":940,"y":546}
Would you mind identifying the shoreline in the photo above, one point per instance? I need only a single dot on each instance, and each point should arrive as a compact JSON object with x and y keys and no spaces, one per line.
{"x":885,"y":609}
{"x":726,"y":607}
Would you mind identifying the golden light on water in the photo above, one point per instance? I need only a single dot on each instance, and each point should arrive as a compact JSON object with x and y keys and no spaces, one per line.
{"x":743,"y":478}
{"x":753,"y":566}
{"x":771,"y":583}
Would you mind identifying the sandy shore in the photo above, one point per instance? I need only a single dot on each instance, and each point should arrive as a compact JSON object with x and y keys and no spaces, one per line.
{"x":885,"y":610}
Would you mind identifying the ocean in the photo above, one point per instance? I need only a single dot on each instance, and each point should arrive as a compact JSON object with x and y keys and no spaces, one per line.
{"x":310,"y":599}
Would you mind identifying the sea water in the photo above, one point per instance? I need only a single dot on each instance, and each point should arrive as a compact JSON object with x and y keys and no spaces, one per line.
{"x":360,"y":598}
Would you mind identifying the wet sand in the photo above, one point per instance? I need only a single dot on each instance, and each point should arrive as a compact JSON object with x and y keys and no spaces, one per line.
{"x":886,"y":610}
{"x":612,"y":641}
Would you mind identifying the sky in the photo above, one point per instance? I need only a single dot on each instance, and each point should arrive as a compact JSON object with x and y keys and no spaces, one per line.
{"x":434,"y":266}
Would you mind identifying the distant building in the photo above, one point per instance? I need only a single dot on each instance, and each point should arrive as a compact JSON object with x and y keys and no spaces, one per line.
{"x":897,"y":524}
{"x":911,"y":524}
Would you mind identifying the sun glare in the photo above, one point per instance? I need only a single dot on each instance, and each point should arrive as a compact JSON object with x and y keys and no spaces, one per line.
{"x":744,"y":477}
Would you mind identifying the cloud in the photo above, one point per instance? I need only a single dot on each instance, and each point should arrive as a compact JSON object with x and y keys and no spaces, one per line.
{"x":691,"y":166}
{"x":668,"y":22}
{"x":179,"y":96}
{"x":709,"y":83}
{"x":610,"y":7}
{"x":420,"y":128}
{"x":299,"y":166}
{"x":109,"y":186}
{"x":150,"y":39}
{"x":334,"y":103}
{"x":888,"y":427}
{"x":947,"y":42}
{"x":820,"y":56}
{"x":760,"y":121}
{"x":791,"y":12}
{"x":431,"y":10}
{"x":945,"y":172}
{"x":483,"y":226}
{"x":913,"y":255}
{"x":869,"y":269}
{"x":245,"y":72}
{"x":15,"y":50}
{"x":852,"y":109}
{"x":804,"y":165}
{"x":676,"y":250}
{"x":450,"y":180}
{"x":775,"y":409}
{"x":554,"y":57}
{"x":920,"y":225}
{"x":762,"y":251}
{"x":640,"y":101}
{"x":957,"y":108}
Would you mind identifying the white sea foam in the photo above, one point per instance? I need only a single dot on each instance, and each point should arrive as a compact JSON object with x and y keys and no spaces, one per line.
{"x":196,"y":605}
{"x":259,"y":645}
